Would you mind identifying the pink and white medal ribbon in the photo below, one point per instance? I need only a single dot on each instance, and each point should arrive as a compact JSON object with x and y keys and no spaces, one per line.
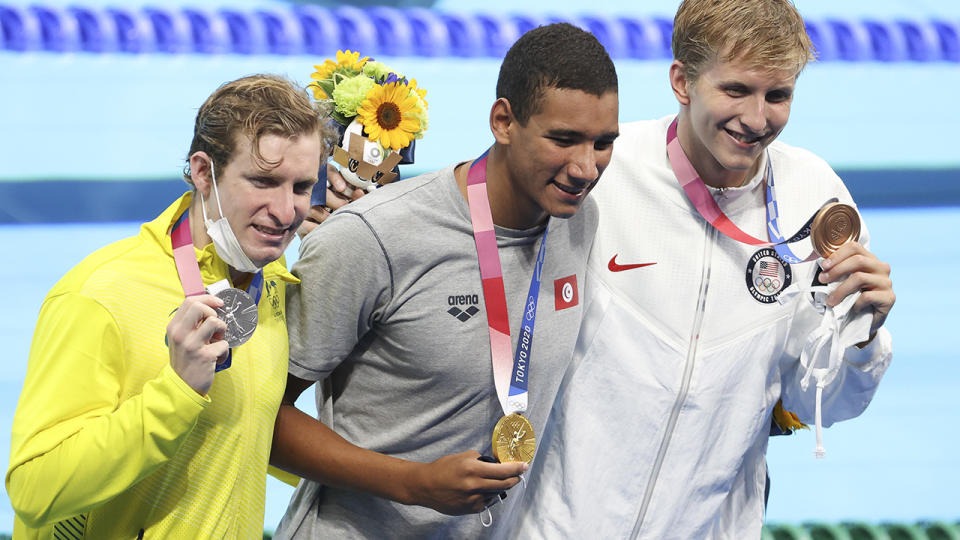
{"x":703,"y":201}
{"x":192,"y":283}
{"x":510,"y":377}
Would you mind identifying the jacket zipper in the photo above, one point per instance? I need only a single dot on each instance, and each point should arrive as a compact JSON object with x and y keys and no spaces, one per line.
{"x":711,"y":236}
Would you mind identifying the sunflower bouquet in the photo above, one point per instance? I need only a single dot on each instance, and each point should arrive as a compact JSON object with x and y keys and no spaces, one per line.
{"x":380,"y":112}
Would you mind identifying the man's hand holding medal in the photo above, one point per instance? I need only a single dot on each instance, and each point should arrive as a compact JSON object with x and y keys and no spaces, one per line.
{"x":836,"y":230}
{"x":195,"y":337}
{"x":463,"y":483}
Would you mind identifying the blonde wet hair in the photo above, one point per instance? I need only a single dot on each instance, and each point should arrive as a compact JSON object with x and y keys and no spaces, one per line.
{"x":255,"y":106}
{"x":763,"y":34}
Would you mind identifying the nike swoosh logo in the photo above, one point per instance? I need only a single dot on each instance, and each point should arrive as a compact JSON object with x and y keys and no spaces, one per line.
{"x":614,"y":267}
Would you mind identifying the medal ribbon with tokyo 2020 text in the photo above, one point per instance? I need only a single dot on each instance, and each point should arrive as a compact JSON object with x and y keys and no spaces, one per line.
{"x":189,"y":271}
{"x":510,"y":381}
{"x":700,"y":196}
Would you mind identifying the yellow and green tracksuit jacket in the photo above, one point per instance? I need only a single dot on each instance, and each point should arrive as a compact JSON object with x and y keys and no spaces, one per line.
{"x":108,"y":440}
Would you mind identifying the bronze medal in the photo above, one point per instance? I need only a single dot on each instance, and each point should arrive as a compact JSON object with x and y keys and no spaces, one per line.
{"x":835,"y":225}
{"x":513,"y":439}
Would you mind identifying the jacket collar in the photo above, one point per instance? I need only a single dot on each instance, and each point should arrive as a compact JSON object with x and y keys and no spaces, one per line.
{"x":212,"y":267}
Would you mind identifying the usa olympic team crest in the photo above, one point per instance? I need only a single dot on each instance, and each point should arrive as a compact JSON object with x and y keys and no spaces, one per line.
{"x":767,"y":275}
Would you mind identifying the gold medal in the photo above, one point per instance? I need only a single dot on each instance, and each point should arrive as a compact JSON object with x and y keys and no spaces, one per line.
{"x":513,"y":439}
{"x":835,"y":225}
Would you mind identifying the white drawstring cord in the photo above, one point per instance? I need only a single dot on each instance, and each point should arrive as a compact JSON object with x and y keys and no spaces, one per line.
{"x":488,"y":523}
{"x":486,"y":511}
{"x":819,"y":452}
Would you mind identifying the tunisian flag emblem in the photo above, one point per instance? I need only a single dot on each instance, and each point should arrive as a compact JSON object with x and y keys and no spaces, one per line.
{"x":565,"y":292}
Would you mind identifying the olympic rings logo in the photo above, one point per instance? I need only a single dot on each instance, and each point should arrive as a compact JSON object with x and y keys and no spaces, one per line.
{"x":767,"y":285}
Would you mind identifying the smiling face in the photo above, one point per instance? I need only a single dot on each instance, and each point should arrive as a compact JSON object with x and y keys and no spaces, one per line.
{"x":729,"y":115}
{"x":264,"y":204}
{"x":555,"y":159}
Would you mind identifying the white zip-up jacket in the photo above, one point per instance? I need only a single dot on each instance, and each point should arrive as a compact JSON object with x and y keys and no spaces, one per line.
{"x":660,"y":429}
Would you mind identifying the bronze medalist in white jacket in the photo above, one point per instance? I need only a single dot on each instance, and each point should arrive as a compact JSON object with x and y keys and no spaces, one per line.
{"x":661,"y":426}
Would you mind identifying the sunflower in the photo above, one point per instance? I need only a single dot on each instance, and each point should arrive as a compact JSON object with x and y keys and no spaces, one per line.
{"x":422,"y":92}
{"x":388,"y":115}
{"x":348,"y":63}
{"x":351,"y":60}
{"x":787,"y":421}
{"x":318,"y":92}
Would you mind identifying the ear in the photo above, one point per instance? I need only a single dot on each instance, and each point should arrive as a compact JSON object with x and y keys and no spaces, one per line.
{"x":200,"y":172}
{"x":502,"y":120}
{"x":679,"y":82}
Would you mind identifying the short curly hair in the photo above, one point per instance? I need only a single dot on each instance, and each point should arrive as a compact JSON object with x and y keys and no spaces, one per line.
{"x":255,"y":106}
{"x":553,"y":56}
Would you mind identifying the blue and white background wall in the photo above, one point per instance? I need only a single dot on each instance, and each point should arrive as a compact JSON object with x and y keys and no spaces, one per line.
{"x":97,"y":109}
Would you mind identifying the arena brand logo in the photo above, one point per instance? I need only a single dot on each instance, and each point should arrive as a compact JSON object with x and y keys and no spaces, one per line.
{"x":463,"y":313}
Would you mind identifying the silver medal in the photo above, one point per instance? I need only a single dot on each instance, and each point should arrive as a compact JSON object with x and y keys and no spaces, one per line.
{"x":239,"y":311}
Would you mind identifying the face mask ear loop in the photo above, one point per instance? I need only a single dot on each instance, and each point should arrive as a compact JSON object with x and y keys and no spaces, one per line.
{"x":216,"y":192}
{"x":203,"y":206}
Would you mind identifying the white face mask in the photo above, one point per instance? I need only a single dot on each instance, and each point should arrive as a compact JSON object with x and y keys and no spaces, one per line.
{"x":225,"y":242}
